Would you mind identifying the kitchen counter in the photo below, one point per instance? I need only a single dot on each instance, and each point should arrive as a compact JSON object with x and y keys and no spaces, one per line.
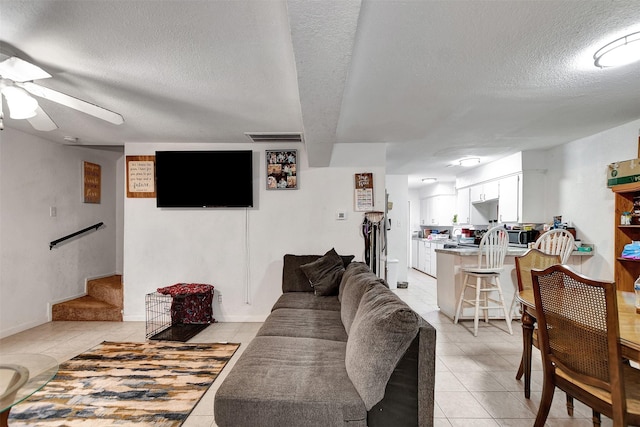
{"x":511,"y":251}
{"x":451,"y":261}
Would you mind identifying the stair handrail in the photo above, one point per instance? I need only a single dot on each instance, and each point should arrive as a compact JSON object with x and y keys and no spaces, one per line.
{"x":69,"y":236}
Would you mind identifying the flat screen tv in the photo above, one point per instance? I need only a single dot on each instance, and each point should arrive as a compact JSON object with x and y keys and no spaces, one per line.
{"x":204,"y":179}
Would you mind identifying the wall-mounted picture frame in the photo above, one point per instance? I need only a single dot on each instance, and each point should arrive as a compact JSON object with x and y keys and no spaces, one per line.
{"x":282,"y":169}
{"x":92,"y":182}
{"x":364,"y":192}
{"x":141,"y":176}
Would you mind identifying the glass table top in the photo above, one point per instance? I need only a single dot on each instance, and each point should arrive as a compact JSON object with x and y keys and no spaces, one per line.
{"x":21,"y":375}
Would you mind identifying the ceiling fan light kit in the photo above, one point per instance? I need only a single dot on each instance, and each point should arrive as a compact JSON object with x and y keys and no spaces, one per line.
{"x":16,"y":69}
{"x":17,"y":87}
{"x":622,"y":51}
{"x":21,"y":104}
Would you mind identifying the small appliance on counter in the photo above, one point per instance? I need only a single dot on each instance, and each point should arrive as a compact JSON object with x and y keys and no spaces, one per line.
{"x":522,"y":237}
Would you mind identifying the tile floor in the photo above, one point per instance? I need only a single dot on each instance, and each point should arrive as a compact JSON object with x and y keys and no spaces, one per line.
{"x":475,"y":376}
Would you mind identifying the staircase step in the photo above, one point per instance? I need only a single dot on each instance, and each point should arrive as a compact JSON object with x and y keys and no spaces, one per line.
{"x":86,"y":308}
{"x":108,"y":289}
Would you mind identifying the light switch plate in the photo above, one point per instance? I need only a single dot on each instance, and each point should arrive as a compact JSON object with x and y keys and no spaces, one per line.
{"x":341,"y":215}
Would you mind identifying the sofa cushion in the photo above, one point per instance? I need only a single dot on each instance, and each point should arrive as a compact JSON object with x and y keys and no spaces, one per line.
{"x":380,"y":334}
{"x":284,"y":381}
{"x":350,"y":270}
{"x":324,"y":274}
{"x":295,"y":322}
{"x":293,"y":279}
{"x":356,"y":281}
{"x":308,"y":301}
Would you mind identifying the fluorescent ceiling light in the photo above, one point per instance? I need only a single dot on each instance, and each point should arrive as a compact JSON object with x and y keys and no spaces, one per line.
{"x":21,"y":104}
{"x":429,"y":180}
{"x":623,"y":51}
{"x":470,"y":161}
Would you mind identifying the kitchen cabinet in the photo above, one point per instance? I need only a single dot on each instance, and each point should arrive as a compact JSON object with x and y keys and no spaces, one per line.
{"x":414,"y":253}
{"x":508,"y":200}
{"x":625,"y":271}
{"x":484,"y":192}
{"x":437,"y":210}
{"x":426,"y":258}
{"x":425,"y":215}
{"x":463,"y":206}
{"x":423,"y":250}
{"x":517,"y":198}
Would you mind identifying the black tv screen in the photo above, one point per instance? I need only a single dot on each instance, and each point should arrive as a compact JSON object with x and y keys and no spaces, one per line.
{"x":203,"y":179}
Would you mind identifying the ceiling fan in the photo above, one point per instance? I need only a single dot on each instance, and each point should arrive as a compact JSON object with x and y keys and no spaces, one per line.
{"x":17,"y":86}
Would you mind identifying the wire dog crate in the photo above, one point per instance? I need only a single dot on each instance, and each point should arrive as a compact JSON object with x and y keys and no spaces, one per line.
{"x":178,"y":312}
{"x":158,"y":313}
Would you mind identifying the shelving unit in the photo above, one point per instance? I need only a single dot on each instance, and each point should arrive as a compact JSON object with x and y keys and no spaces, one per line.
{"x":626,"y":271}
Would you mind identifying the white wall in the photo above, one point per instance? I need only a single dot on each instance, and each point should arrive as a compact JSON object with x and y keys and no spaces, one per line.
{"x":240,"y":251}
{"x":577,"y":183}
{"x":398,"y":234}
{"x":34,"y":175}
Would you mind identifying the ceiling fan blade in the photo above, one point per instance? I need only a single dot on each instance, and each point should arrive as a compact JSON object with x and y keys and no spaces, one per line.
{"x":19,"y":70}
{"x":42,"y":121}
{"x":71,"y":102}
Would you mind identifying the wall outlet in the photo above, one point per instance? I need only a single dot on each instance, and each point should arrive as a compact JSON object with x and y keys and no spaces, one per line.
{"x":341,"y":215}
{"x":219,"y":299}
{"x":53,"y":211}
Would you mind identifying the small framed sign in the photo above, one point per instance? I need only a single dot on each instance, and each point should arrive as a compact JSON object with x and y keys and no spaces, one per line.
{"x":364,"y":192}
{"x":282,"y":169}
{"x":141,"y":176}
{"x":92,"y":182}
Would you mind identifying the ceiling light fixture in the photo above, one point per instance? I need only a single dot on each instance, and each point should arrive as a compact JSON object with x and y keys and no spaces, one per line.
{"x":622,"y":51}
{"x":21,"y":104}
{"x":429,"y":180}
{"x":470,"y":161}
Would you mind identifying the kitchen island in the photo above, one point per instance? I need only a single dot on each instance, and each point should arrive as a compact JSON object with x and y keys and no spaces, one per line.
{"x":450,"y":262}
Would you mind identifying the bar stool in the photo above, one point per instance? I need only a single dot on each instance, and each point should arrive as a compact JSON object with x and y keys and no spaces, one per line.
{"x":557,"y":241}
{"x":485,"y":278}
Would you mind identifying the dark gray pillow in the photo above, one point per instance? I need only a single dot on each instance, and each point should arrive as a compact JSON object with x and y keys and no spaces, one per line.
{"x":380,"y":334}
{"x":293,"y":279}
{"x":325,"y":273}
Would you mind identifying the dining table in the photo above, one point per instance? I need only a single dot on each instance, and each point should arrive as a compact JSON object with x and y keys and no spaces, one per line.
{"x":628,"y":318}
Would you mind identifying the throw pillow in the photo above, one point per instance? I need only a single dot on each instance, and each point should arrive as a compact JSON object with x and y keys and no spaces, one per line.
{"x":325,"y":273}
{"x":293,"y":279}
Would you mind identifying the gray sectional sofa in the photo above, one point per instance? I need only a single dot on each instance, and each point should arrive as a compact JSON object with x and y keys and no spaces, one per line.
{"x":338,"y":349}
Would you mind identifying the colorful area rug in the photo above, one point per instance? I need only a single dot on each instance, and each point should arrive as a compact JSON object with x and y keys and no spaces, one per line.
{"x":129,"y":384}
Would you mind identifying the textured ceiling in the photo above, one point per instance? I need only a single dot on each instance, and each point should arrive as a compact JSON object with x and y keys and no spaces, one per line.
{"x":435,"y":80}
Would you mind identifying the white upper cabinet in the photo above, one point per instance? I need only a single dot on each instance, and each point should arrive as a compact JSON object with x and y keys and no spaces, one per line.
{"x":509,"y":207}
{"x":484,"y":192}
{"x":437,"y":210}
{"x":463,"y":206}
{"x":511,"y":190}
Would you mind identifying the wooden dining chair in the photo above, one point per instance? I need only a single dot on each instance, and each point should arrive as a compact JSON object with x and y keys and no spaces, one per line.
{"x":532,"y":259}
{"x":484,"y":278}
{"x":578,"y":334}
{"x":556,"y":242}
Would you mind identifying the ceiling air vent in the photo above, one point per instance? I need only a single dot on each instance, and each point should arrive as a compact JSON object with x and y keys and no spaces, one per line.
{"x":274,"y":137}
